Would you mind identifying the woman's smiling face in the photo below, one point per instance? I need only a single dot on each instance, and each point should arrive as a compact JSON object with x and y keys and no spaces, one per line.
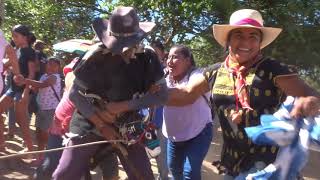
{"x":244,"y":44}
{"x":177,"y":63}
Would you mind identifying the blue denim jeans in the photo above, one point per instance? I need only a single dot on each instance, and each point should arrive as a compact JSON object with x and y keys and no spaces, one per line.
{"x":185,"y":158}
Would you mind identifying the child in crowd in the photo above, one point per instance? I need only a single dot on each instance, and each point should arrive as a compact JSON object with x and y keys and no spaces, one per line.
{"x":59,"y":126}
{"x":49,"y":87}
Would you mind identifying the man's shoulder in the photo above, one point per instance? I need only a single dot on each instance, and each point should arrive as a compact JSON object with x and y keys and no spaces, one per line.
{"x":94,"y":58}
{"x":269,"y":63}
{"x":97,"y":49}
{"x":148,"y":52}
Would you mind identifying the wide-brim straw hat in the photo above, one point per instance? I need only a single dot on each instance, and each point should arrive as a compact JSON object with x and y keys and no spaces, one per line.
{"x":245,"y":18}
{"x":122,"y":30}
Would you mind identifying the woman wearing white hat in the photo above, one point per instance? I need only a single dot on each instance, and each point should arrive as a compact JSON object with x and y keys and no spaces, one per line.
{"x":244,"y":86}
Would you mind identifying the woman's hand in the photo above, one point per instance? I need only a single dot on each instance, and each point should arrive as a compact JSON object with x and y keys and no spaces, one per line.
{"x":109,"y":132}
{"x":154,"y":88}
{"x":19,"y":79}
{"x":235,"y":117}
{"x":106,"y":116}
{"x":116,"y":108}
{"x":306,"y":106}
{"x":106,"y":129}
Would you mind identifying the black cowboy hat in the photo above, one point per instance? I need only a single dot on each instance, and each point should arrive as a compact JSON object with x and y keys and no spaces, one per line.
{"x":122,"y":30}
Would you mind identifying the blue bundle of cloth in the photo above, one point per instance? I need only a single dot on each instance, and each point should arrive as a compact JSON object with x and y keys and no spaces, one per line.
{"x":294,"y":137}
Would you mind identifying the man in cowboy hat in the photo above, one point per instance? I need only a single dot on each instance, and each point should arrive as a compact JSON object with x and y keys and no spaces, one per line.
{"x":116,"y":69}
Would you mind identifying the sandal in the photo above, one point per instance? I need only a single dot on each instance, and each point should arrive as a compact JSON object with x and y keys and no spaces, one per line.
{"x":220,"y":168}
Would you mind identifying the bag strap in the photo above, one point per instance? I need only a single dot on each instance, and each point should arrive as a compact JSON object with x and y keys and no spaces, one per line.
{"x":207,"y":101}
{"x":55,"y":93}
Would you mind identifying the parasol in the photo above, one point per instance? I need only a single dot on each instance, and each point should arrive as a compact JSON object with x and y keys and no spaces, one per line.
{"x":78,"y":46}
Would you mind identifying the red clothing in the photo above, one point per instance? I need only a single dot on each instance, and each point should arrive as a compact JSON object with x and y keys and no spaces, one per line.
{"x":63,"y":114}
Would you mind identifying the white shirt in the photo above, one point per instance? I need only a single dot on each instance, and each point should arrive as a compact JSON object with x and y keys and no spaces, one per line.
{"x":186,"y":122}
{"x":3,"y":45}
{"x":46,"y":97}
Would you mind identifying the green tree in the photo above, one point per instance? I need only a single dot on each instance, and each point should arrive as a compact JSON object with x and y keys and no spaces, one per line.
{"x":184,"y":22}
{"x":52,"y":20}
{"x":190,"y":23}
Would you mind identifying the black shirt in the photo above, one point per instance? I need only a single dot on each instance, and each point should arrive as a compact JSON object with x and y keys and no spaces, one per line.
{"x":238,"y":152}
{"x":25,"y":55}
{"x":110,"y":77}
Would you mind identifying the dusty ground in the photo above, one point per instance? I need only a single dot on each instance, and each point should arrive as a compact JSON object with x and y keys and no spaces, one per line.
{"x":17,"y":169}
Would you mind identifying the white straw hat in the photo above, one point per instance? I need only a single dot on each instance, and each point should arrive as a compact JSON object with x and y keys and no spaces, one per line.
{"x":245,"y":18}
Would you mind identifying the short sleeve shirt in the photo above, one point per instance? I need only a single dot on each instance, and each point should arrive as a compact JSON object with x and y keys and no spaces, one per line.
{"x":47,"y":99}
{"x":24,"y":55}
{"x":238,"y":152}
{"x":3,"y":45}
{"x":186,"y":122}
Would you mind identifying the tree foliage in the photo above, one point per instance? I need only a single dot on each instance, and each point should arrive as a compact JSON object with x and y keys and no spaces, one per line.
{"x":183,"y":22}
{"x":51,"y":20}
{"x":190,"y":23}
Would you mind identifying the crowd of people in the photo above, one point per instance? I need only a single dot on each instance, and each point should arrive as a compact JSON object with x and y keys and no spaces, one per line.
{"x":105,"y":90}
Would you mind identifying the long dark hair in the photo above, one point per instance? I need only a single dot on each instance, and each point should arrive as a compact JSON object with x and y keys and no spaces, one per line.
{"x":185,"y":51}
{"x":25,"y":31}
{"x":158,"y":44}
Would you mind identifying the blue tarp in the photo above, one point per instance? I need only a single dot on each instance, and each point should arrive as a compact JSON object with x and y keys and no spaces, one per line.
{"x":294,"y":137}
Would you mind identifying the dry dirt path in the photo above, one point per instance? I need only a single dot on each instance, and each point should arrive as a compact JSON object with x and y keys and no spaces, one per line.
{"x":17,"y":169}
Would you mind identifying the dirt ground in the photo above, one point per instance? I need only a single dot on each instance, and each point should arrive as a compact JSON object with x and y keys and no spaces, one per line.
{"x":18,"y":169}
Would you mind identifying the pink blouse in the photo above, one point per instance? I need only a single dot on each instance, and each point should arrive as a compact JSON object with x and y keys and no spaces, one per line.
{"x":63,"y":114}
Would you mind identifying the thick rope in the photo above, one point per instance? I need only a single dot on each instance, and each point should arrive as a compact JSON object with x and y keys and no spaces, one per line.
{"x":62,"y":148}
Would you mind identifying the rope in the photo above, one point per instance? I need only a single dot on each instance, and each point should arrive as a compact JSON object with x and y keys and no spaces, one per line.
{"x":59,"y":149}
